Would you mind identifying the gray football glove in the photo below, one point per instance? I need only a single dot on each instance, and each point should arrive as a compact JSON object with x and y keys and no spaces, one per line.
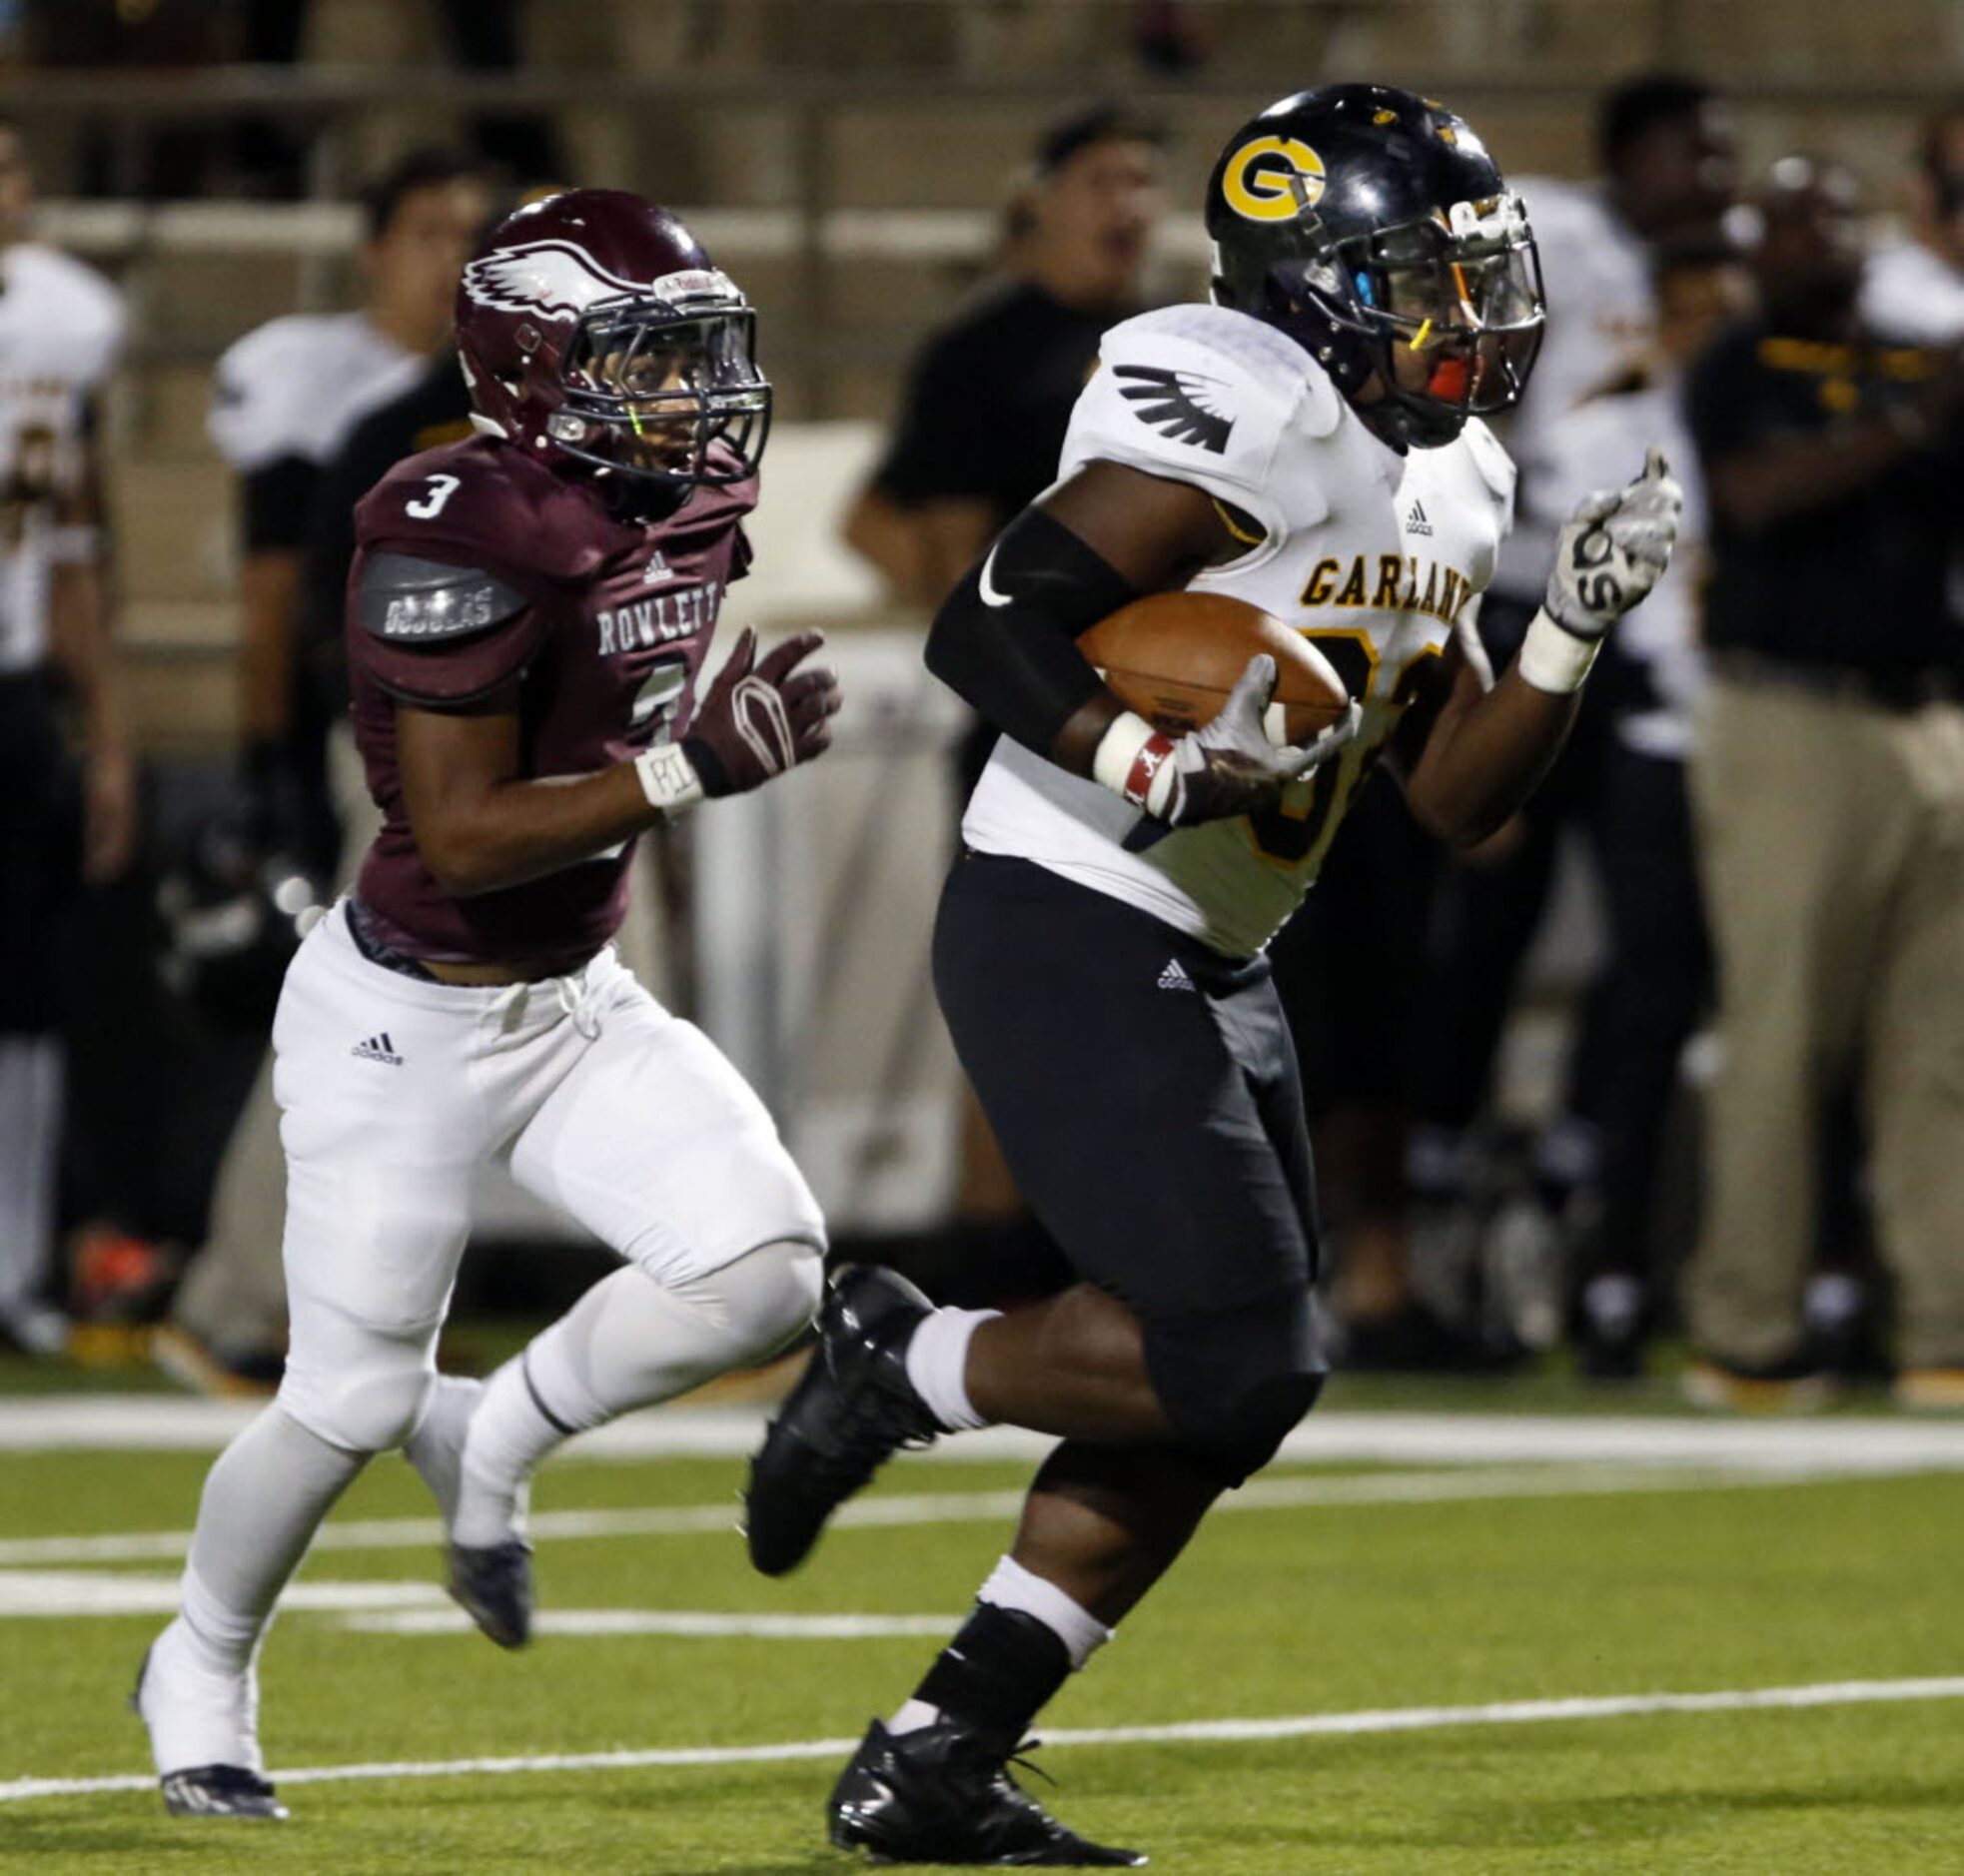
{"x":1229,"y":767}
{"x":1614,"y":549}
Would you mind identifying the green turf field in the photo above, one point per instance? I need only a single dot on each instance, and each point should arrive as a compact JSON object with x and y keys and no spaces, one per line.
{"x":1382,"y":1594}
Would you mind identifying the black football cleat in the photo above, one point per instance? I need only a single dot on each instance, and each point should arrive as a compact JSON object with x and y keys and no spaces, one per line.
{"x":942,"y":1794}
{"x":220,"y":1791}
{"x":852,"y":1409}
{"x":493,"y":1585}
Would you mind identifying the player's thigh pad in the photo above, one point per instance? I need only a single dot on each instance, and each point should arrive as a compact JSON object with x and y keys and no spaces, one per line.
{"x":384,"y":1125}
{"x":661,"y":1148}
{"x":1152,"y":1117}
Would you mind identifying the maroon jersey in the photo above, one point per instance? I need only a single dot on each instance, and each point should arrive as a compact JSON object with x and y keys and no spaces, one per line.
{"x":474,"y":566}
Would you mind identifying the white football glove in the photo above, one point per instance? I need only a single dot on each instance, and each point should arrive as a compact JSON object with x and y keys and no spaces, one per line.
{"x":1229,"y":767}
{"x":1614,"y":549}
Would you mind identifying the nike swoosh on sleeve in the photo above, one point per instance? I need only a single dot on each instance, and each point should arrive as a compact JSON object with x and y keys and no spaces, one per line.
{"x":985,"y":585}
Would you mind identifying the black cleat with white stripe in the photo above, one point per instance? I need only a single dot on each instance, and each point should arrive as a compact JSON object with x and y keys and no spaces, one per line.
{"x":944,"y":1794}
{"x":220,"y":1791}
{"x":217,"y":1790}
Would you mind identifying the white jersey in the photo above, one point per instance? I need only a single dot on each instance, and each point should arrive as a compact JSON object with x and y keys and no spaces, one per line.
{"x":1372,"y":556}
{"x":61,"y":330}
{"x":1913,"y":295}
{"x":1592,"y":447}
{"x":1603,"y":322}
{"x":297,"y":384}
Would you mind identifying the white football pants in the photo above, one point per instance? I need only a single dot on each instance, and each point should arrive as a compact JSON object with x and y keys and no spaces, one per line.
{"x":395,"y":1091}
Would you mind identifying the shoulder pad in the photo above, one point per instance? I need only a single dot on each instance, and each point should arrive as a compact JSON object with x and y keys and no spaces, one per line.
{"x":1207,"y":395}
{"x":1264,"y":354}
{"x":1490,"y":454}
{"x":484,"y":504}
{"x":409,"y":600}
{"x":79,"y":317}
{"x":261,"y":388}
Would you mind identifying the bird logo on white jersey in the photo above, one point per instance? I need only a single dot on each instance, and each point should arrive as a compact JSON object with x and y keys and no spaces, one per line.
{"x":1177,"y":402}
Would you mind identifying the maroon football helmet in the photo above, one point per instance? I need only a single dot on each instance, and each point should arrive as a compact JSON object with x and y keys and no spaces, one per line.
{"x":592,"y":326}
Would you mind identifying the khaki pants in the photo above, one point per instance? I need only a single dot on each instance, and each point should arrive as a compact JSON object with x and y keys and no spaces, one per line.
{"x":233,"y":1294}
{"x":1831,"y":851}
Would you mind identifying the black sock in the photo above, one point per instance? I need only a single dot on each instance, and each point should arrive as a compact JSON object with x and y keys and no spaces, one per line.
{"x":997,"y":1672}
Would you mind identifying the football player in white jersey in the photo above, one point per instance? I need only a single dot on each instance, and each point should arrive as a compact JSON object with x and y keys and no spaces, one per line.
{"x":61,"y":328}
{"x":1311,"y":443}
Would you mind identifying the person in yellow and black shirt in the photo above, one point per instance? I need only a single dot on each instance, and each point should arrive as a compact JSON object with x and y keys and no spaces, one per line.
{"x":1828,"y":784}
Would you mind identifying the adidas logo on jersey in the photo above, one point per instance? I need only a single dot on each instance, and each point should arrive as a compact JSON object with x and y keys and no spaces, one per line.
{"x":658,"y":569}
{"x":378,"y":1049}
{"x":1175,"y":977}
{"x":1416,"y":522}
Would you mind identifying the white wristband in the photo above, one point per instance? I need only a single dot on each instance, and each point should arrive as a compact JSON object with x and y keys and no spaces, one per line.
{"x":1133,"y":759}
{"x":1552,"y":658}
{"x":669,"y":777}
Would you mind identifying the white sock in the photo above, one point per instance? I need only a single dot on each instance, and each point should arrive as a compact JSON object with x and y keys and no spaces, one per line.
{"x":628,"y":1342}
{"x":1011,"y":1587}
{"x":912,"y":1717}
{"x":30,"y":1133}
{"x":436,"y":1448}
{"x":509,"y":1433}
{"x":264,"y":1499}
{"x":937,"y":1362}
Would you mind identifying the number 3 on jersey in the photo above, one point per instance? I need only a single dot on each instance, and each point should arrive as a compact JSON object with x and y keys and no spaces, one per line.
{"x":429,"y":506}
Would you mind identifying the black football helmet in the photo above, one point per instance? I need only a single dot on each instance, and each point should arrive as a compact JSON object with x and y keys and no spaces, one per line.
{"x":592,"y":326}
{"x":1355,"y":216}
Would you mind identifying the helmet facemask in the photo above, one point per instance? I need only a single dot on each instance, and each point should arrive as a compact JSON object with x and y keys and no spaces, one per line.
{"x":664,"y":391}
{"x":1446,"y":312}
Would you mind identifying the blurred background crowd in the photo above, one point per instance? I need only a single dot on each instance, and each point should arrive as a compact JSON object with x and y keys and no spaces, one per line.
{"x":1679,"y":1057}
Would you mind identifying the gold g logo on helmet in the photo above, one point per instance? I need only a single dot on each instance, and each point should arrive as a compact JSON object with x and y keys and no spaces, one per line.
{"x":1272,"y":178}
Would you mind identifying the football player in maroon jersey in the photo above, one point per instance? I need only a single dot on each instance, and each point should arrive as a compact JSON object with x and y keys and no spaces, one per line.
{"x":528,"y":616}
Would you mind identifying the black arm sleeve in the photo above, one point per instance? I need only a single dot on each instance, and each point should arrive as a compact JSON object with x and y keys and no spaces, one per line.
{"x":1005,"y":639}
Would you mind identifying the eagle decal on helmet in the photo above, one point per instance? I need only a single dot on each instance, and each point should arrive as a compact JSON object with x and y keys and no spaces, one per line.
{"x":550,"y":280}
{"x":594,"y":331}
{"x":1178,"y":404}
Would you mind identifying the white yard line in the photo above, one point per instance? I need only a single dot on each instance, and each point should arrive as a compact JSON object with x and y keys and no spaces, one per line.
{"x":1197,"y":1732}
{"x":956,"y":1508}
{"x":694,"y":1624}
{"x":422,"y":1608}
{"x":156,"y":1422}
{"x":33,"y":1595}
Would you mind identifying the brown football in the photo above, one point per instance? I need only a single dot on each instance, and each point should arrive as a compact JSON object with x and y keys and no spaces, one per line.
{"x":1174,"y":656}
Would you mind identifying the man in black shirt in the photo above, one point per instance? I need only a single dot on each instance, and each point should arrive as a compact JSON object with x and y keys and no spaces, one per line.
{"x":991,"y":393}
{"x":1828,"y":780}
